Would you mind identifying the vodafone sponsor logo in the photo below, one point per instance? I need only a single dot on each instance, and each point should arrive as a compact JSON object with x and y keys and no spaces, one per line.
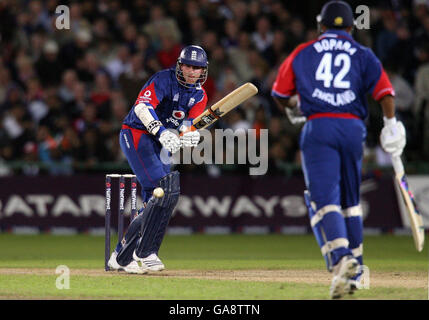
{"x":173,"y":121}
{"x":145,"y":97}
{"x":148,"y":95}
{"x":178,"y":114}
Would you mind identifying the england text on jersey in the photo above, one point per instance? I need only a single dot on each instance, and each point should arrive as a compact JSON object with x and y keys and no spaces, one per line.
{"x":337,"y":100}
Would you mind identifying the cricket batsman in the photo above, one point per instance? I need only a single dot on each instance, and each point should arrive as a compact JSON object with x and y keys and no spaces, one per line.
{"x":325,"y":81}
{"x":167,"y":99}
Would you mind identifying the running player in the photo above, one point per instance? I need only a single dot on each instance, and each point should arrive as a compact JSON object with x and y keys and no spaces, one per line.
{"x":327,"y":79}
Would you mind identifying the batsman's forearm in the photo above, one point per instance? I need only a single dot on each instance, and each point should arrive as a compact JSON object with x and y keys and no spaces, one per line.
{"x":388,"y":106}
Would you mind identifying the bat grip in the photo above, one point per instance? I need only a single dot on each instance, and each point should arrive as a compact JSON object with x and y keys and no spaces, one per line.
{"x":397,"y":164}
{"x":191,"y":128}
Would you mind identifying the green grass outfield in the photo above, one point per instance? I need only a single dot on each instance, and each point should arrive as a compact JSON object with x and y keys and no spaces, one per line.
{"x":207,"y":267}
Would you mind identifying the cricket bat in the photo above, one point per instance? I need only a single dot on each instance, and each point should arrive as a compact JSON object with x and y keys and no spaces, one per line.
{"x":223,"y":106}
{"x":416,"y":220}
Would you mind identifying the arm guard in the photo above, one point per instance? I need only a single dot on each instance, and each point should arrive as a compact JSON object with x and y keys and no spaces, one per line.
{"x":149,"y":118}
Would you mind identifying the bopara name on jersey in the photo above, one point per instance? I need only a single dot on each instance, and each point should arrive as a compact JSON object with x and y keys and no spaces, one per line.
{"x":339,"y":99}
{"x":334,"y":44}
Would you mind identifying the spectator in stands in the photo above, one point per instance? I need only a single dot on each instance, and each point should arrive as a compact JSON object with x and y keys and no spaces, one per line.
{"x":160,"y":24}
{"x":132,"y":78}
{"x":118,"y":65}
{"x":69,"y":81}
{"x":169,"y":50}
{"x":421,"y":105}
{"x":387,"y":38}
{"x":263,"y":36}
{"x":76,"y":48}
{"x":232,"y":34}
{"x":101,"y":94}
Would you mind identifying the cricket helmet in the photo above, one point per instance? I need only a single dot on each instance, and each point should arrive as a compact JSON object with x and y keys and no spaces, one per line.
{"x":193,"y":56}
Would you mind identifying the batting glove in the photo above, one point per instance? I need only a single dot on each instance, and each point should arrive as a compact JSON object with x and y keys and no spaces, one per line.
{"x":169,"y":141}
{"x":295,"y":115}
{"x":393,"y":137}
{"x":190,"y":139}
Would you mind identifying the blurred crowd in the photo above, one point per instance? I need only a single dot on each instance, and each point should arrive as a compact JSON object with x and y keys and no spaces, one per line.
{"x":65,"y":92}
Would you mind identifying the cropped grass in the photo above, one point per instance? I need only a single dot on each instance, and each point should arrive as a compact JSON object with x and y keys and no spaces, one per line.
{"x":382,"y":254}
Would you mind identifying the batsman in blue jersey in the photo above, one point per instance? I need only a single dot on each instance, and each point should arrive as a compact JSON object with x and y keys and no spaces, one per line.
{"x":325,"y":81}
{"x":165,"y":101}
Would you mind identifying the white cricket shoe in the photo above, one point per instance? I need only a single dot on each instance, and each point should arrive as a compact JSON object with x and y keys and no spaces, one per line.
{"x":344,"y":270}
{"x":133,"y":267}
{"x":151,"y":262}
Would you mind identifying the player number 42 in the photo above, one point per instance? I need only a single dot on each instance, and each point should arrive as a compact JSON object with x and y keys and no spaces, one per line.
{"x":324,"y":70}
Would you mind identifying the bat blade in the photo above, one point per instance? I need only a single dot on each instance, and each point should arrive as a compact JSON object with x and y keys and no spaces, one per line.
{"x":414,"y":215}
{"x":223,"y":106}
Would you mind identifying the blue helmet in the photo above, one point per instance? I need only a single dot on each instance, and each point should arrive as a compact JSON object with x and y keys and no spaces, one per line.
{"x":193,"y":56}
{"x":336,"y":14}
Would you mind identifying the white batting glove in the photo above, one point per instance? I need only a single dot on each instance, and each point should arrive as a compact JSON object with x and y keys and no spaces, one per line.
{"x":393,"y":137}
{"x":190,"y":139}
{"x":295,"y":115}
{"x":169,"y":141}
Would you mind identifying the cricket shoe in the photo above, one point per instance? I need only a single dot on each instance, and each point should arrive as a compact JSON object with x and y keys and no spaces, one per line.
{"x":151,"y":262}
{"x":133,"y":267}
{"x":355,"y":283}
{"x":344,"y":270}
{"x":353,"y":286}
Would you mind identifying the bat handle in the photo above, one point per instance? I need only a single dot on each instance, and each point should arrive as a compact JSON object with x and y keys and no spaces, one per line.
{"x":191,"y":128}
{"x":397,"y":164}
